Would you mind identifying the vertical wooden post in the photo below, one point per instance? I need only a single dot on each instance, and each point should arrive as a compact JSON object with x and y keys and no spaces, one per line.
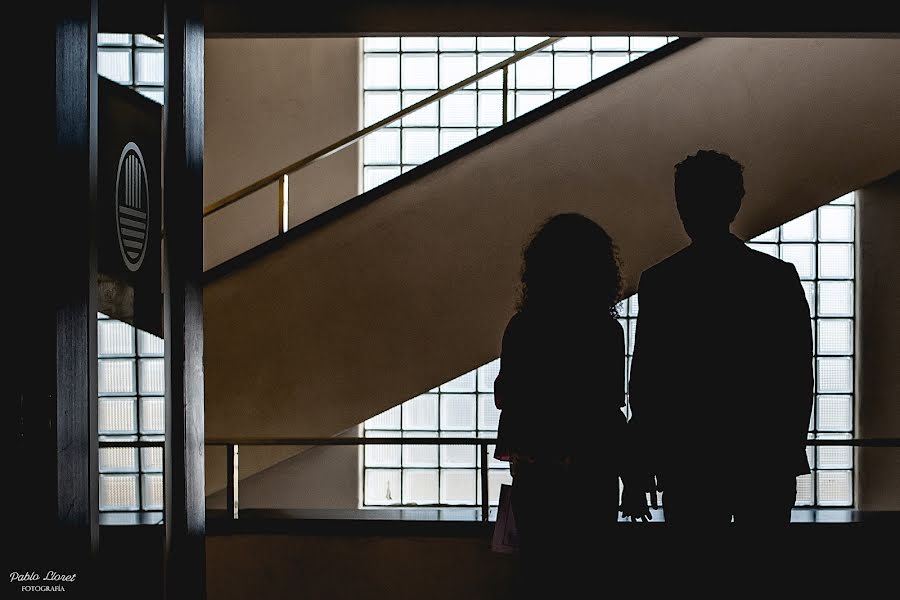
{"x":53,"y":285}
{"x":71,"y":208}
{"x":183,"y":304}
{"x":74,"y":205}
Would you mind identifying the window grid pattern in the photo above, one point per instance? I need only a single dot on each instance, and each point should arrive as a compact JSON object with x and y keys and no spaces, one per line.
{"x":130,"y":368}
{"x":132,"y":60}
{"x":436,"y":475}
{"x":820,"y":244}
{"x":130,"y":407}
{"x":400,"y":71}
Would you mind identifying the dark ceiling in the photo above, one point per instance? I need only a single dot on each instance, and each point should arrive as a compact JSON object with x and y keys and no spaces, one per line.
{"x":284,"y":18}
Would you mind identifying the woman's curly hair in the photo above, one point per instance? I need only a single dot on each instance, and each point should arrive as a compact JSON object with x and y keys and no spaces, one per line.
{"x":570,"y":263}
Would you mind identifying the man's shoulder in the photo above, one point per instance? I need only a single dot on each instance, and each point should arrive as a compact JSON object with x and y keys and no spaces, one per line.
{"x":769,"y":265}
{"x":667,"y":268}
{"x":671,"y":270}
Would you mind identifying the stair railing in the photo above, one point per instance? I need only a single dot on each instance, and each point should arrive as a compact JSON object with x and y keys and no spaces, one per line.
{"x":282,"y":175}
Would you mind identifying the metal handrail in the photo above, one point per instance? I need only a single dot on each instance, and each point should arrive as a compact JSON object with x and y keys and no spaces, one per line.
{"x":232,"y":446}
{"x":349,"y":441}
{"x":428,"y":441}
{"x":134,"y":444}
{"x":425,"y":441}
{"x":282,"y":174}
{"x":233,"y":451}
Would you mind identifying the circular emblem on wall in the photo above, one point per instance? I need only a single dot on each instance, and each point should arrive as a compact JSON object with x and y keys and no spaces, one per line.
{"x":132,"y":206}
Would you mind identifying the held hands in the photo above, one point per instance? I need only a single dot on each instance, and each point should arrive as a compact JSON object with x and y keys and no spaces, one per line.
{"x":634,"y":498}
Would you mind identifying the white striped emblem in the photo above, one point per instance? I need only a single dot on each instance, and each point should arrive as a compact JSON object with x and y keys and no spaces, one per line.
{"x":132,"y":206}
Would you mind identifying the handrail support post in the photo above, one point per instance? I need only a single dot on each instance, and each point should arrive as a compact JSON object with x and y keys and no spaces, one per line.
{"x":485,"y":493}
{"x":505,"y":94}
{"x":283,"y":191}
{"x":232,"y":468}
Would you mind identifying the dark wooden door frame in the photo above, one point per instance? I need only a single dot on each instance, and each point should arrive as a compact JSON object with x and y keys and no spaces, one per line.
{"x":185,"y":509}
{"x":51,"y":203}
{"x":51,"y":227}
{"x":75,"y":208}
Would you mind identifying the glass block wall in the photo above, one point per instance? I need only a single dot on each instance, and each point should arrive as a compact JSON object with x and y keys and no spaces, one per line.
{"x":133,"y":60}
{"x":400,"y":71}
{"x":821,"y":245}
{"x":433,"y":475}
{"x":131,"y":384}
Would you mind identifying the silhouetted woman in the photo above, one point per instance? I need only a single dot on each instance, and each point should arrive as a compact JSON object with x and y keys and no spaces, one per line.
{"x":560,"y":390}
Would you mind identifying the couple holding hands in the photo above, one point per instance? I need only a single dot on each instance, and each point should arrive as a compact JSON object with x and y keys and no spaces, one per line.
{"x":721,"y":385}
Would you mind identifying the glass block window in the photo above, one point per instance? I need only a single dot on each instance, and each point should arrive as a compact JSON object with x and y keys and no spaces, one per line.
{"x":132,"y":60}
{"x":407,"y":475}
{"x":821,"y":244}
{"x":130,"y":407}
{"x":130,"y":369}
{"x":400,"y":71}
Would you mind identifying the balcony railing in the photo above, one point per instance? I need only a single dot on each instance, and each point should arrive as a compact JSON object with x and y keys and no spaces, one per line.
{"x":232,"y":446}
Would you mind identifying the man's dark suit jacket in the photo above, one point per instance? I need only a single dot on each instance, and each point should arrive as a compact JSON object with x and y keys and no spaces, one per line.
{"x":721,"y":380}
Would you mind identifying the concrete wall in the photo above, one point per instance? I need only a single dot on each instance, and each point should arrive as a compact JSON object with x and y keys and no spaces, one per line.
{"x":878,"y":337}
{"x":353,"y":567}
{"x":416,"y":288}
{"x":644,"y":560}
{"x":270,"y":102}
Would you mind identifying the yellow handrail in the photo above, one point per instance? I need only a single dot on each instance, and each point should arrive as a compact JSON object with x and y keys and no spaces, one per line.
{"x":282,"y":173}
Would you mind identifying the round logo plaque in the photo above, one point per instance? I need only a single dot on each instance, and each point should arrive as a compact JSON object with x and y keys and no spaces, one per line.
{"x":132,"y":206}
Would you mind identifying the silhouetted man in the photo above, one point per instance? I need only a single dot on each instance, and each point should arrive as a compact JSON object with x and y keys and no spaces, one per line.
{"x":721,"y":380}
